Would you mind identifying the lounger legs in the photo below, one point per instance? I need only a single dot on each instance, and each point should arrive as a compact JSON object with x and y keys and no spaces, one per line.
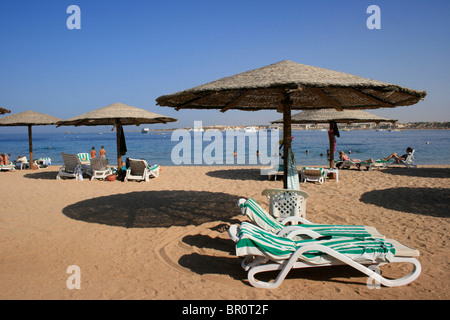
{"x":293,"y":262}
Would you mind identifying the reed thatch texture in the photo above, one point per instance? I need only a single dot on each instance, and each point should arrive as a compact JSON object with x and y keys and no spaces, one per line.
{"x":116,"y":112}
{"x":310,"y":88}
{"x":29,"y":118}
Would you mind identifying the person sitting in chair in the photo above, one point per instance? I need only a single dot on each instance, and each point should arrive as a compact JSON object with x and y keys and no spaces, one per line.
{"x":398,"y":158}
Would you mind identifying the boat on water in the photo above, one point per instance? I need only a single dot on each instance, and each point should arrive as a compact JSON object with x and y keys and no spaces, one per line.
{"x":249,"y":129}
{"x":145,"y":130}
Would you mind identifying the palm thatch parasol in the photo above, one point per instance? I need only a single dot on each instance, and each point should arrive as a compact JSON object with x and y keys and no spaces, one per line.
{"x":29,"y":118}
{"x":119,"y":115}
{"x":3,"y":111}
{"x":332,"y":116}
{"x":288,"y":85}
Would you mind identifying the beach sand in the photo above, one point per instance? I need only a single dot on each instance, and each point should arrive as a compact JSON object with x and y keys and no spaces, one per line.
{"x":167,"y":238}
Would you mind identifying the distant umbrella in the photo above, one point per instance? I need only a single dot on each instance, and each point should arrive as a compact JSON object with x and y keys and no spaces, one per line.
{"x":332,"y":116}
{"x":29,"y":119}
{"x":118,"y":115}
{"x":288,"y":85}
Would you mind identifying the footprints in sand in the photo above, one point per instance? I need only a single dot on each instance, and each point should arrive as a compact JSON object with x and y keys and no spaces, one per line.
{"x":205,"y":250}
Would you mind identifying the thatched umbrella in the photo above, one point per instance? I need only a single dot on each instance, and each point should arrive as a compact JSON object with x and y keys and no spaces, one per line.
{"x":119,"y":115}
{"x":288,"y":85}
{"x":330,"y":116}
{"x":29,"y":118}
{"x":3,"y":111}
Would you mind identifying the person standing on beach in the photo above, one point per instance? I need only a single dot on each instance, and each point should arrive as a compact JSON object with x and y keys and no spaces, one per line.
{"x":102,"y":152}
{"x":93,"y":153}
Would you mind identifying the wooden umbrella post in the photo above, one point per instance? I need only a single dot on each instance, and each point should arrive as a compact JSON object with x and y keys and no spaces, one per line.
{"x":119,"y":156}
{"x":30,"y":146}
{"x":331,"y":139}
{"x":286,"y":102}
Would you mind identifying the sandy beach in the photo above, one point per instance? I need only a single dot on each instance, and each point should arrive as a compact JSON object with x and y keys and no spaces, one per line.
{"x":167,"y":238}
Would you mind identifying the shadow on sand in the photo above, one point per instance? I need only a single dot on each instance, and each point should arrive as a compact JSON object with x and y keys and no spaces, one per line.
{"x":237,"y":174}
{"x":148,"y":209}
{"x":426,"y":201}
{"x":419,"y":172}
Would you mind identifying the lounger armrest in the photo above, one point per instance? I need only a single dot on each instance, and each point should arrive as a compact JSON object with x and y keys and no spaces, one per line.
{"x":295,"y":220}
{"x":293,"y":231}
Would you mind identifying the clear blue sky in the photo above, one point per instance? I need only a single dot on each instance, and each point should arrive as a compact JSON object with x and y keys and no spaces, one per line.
{"x":135,"y":51}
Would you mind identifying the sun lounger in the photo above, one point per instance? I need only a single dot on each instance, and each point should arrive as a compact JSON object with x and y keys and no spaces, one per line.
{"x":313,"y":174}
{"x":305,"y":229}
{"x":264,"y":251}
{"x":7,"y":167}
{"x":274,"y":171}
{"x":71,"y":168}
{"x":85,"y":158}
{"x":100,"y":168}
{"x":408,"y":162}
{"x":43,"y":162}
{"x":140,"y":170}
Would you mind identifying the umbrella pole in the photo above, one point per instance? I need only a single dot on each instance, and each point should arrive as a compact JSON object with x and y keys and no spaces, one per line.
{"x":30,"y":145}
{"x":119,"y":156}
{"x":286,"y":134}
{"x":331,"y":140}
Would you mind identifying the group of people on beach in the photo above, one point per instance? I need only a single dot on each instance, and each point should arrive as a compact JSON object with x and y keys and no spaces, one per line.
{"x":101,"y":153}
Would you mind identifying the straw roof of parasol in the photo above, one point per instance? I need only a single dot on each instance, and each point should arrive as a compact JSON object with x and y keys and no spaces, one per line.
{"x":3,"y":111}
{"x":327,"y":115}
{"x":311,"y":88}
{"x":29,"y":118}
{"x":109,"y":115}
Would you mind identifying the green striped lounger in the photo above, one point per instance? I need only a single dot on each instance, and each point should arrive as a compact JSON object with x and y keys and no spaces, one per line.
{"x":269,"y":252}
{"x":307,"y":229}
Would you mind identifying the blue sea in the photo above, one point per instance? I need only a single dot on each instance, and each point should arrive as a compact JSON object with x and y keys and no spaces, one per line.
{"x":432,"y":146}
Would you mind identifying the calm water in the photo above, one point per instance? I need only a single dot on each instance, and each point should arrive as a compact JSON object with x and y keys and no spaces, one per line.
{"x":432,"y":146}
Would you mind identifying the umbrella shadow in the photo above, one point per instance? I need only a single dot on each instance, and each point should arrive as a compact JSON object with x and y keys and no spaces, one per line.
{"x":147,"y":209}
{"x":419,"y":172}
{"x":237,"y":174}
{"x":426,"y":201}
{"x":45,"y":175}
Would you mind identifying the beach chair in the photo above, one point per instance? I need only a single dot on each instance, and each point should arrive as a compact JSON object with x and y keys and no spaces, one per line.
{"x":21,"y":163}
{"x":7,"y":167}
{"x":313,"y":174}
{"x":264,"y":251}
{"x":408,"y":162}
{"x":274,"y":171}
{"x":289,"y":202}
{"x":305,"y":228}
{"x":71,"y":168}
{"x":140,"y":170}
{"x":378,"y":164}
{"x":347,"y":164}
{"x":85,"y":158}
{"x":100,"y":168}
{"x":43,"y":162}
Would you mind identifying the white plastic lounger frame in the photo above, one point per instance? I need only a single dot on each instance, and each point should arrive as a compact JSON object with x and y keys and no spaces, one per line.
{"x":100,"y":168}
{"x":71,"y":168}
{"x":140,"y":170}
{"x":260,"y":264}
{"x":408,"y":162}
